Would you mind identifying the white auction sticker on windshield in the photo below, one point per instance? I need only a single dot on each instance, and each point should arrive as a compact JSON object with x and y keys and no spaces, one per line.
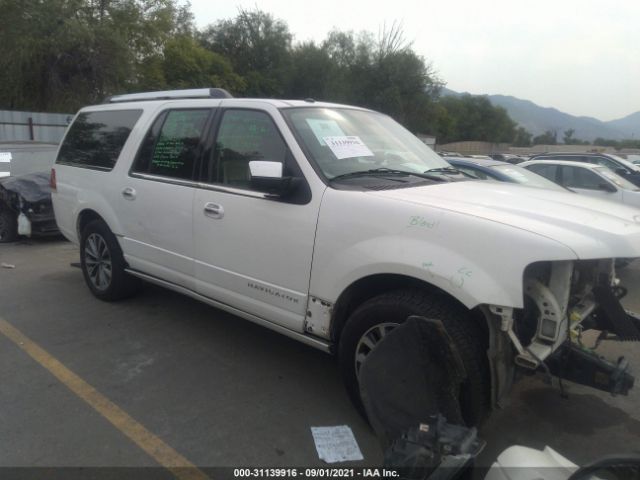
{"x":347,"y":147}
{"x":324,"y":128}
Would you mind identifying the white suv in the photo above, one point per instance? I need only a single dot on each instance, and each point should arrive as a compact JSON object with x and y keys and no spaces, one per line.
{"x":332,"y":224}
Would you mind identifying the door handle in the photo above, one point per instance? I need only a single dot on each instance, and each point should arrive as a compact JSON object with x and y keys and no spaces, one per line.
{"x":213,"y":210}
{"x":129,"y":193}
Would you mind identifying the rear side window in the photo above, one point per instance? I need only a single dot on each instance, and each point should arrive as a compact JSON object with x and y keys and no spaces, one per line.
{"x":96,"y":138}
{"x":171,"y":147}
{"x":547,"y":171}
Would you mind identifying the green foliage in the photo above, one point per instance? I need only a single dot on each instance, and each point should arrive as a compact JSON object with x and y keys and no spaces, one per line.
{"x":58,"y":55}
{"x":618,"y":144}
{"x":569,"y":139}
{"x":473,"y":117}
{"x":185,"y":64}
{"x":547,"y":138}
{"x":522,"y":138}
{"x":258,"y":47}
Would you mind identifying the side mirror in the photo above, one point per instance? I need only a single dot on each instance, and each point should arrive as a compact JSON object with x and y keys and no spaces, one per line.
{"x":622,"y":171}
{"x":607,"y":187}
{"x":267,"y":177}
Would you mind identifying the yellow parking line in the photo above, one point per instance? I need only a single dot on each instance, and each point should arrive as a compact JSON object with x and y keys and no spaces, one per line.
{"x":147,"y":441}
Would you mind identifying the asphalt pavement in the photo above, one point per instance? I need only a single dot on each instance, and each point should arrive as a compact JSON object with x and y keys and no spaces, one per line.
{"x":214,"y":389}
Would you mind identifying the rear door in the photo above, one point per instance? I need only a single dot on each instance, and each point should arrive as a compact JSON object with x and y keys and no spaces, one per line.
{"x":155,"y":200}
{"x":253,"y":252}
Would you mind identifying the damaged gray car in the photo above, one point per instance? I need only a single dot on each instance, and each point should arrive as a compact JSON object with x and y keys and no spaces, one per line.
{"x":25,"y":207}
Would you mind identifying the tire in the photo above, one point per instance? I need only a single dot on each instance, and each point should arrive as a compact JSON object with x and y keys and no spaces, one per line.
{"x":103,"y":264}
{"x":392,"y":308}
{"x":8,"y":226}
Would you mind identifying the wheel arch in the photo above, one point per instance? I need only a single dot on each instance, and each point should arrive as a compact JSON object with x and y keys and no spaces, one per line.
{"x":371,"y":286}
{"x":85,"y":217}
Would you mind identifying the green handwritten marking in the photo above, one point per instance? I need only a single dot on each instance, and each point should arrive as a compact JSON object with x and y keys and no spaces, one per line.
{"x":421,"y":222}
{"x":457,"y":279}
{"x":465,"y":271}
{"x":427,"y":264}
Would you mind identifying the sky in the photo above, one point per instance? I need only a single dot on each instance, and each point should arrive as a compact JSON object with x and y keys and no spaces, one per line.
{"x":581,"y":57}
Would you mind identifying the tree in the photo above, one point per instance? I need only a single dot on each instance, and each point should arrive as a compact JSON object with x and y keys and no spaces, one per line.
{"x":61,"y":54}
{"x":568,"y":136}
{"x":258,"y":47}
{"x":185,"y":64}
{"x":547,"y":138}
{"x":522,"y":138}
{"x":473,"y":117}
{"x":384,"y":74}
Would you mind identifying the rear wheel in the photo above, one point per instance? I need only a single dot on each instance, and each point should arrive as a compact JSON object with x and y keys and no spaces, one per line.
{"x":375,"y":318}
{"x":103,"y":264}
{"x":8,"y":226}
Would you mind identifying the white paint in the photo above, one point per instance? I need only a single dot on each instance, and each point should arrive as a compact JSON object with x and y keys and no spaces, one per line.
{"x":265,"y":257}
{"x":5,"y":157}
{"x":261,"y":168}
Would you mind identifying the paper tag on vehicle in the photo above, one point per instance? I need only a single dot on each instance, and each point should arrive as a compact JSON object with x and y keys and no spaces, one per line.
{"x":5,"y":157}
{"x":347,"y":147}
{"x":324,"y":128}
{"x":336,"y":444}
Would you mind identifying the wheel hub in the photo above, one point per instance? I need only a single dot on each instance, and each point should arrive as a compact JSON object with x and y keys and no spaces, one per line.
{"x":370,"y":340}
{"x":97,"y":259}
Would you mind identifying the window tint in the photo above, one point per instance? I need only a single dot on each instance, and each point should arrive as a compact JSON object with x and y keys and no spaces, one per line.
{"x":243,"y":136}
{"x":605,"y":162}
{"x":170,"y":148}
{"x":547,"y":171}
{"x":576,"y":177}
{"x":96,"y":138}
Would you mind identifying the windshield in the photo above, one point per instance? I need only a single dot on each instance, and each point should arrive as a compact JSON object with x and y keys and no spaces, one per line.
{"x":630,"y":165}
{"x":615,"y":178}
{"x":342,"y":141}
{"x":527,"y":177}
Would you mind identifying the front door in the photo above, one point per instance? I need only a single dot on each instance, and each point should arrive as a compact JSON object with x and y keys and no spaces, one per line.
{"x":251,"y":251}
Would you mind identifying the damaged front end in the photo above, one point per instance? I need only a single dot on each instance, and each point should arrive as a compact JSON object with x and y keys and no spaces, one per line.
{"x":561,"y":300}
{"x":26,"y":202}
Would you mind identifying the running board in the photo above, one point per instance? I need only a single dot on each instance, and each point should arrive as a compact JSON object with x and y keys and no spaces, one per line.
{"x":301,"y":337}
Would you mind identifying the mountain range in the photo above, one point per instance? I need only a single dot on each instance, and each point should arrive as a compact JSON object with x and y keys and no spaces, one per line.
{"x":537,"y":119}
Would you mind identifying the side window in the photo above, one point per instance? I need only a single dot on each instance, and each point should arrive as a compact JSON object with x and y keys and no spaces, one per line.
{"x":547,"y":171}
{"x":170,"y":148}
{"x":605,"y":162}
{"x":576,"y":177}
{"x":95,"y":139}
{"x":243,"y":136}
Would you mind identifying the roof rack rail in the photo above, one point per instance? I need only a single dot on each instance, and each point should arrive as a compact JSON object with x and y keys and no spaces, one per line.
{"x":170,"y":95}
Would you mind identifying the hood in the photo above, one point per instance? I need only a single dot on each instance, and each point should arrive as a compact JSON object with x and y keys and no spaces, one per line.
{"x":591,"y":227}
{"x":32,"y":187}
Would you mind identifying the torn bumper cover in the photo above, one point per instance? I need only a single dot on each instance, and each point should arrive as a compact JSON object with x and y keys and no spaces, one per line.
{"x":409,"y":386}
{"x":30,"y":195}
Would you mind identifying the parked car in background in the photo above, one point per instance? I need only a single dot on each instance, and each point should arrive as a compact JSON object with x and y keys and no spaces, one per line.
{"x":507,"y":157}
{"x":25,"y":206}
{"x":619,"y":165}
{"x":587,"y":179}
{"x":633,"y":158}
{"x":501,"y":172}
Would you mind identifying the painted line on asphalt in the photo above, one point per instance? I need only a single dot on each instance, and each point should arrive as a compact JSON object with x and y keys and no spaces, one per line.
{"x":162,"y":453}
